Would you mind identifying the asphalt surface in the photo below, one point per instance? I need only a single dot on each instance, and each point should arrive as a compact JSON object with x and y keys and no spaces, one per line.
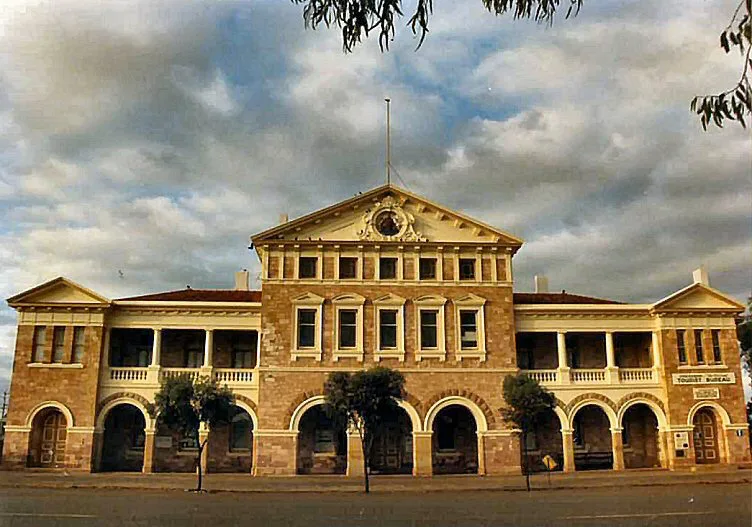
{"x":685,"y":506}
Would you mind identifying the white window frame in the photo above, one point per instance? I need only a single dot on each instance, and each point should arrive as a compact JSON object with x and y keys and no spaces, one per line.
{"x":431,"y":303}
{"x":389,"y":302}
{"x":358,"y":266}
{"x":348,"y":302}
{"x":307,"y":301}
{"x":470,"y":302}
{"x":388,"y":254}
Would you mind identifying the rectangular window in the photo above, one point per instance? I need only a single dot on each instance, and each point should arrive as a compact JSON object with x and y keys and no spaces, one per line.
{"x":680,"y":345}
{"x":467,"y":268}
{"x":427,"y":268}
{"x":243,"y":352}
{"x":58,"y":344}
{"x":40,"y":339}
{"x":307,"y":267}
{"x":698,"y":347}
{"x":468,"y":329}
{"x":194,"y":357}
{"x":387,"y":268}
{"x":429,"y":329}
{"x":348,"y":267}
{"x":388,"y":328}
{"x":348,"y":324}
{"x":716,"y":335}
{"x":78,"y":344}
{"x":306,"y":328}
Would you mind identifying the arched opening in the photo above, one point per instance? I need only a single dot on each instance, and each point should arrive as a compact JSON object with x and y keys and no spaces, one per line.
{"x":592,"y":439}
{"x":322,"y":444}
{"x":706,"y":437}
{"x":124,"y":439}
{"x":640,"y":437}
{"x":544,"y":440}
{"x":49,"y":432}
{"x":231,"y":445}
{"x":392,"y":451}
{"x":455,"y":441}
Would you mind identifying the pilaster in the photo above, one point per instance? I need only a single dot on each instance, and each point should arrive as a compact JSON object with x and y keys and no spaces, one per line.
{"x":423,"y":454}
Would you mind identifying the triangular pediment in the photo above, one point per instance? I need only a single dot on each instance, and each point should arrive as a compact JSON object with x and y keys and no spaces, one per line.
{"x":388,"y":214}
{"x":58,"y":291}
{"x":698,"y":297}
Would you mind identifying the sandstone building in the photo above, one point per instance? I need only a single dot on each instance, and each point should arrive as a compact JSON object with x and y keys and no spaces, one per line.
{"x":389,"y":278}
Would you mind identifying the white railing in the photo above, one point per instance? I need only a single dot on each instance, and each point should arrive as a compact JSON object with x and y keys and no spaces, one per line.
{"x":542,"y":376}
{"x":233,"y":376}
{"x":166,"y":373}
{"x":130,"y":374}
{"x":636,"y":374}
{"x":588,"y":376}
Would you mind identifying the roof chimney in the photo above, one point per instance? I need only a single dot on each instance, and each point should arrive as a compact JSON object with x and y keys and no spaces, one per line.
{"x":700,"y":276}
{"x":541,"y":284}
{"x":284,"y":218}
{"x":241,"y":280}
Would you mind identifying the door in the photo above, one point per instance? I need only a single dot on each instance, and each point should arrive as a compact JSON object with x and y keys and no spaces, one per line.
{"x":706,"y":438}
{"x":54,"y":433}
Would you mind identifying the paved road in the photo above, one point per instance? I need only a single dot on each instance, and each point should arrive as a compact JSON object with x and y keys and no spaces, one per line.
{"x":693,"y":505}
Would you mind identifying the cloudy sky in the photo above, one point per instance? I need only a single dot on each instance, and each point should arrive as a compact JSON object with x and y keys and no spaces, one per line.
{"x":151,"y":138}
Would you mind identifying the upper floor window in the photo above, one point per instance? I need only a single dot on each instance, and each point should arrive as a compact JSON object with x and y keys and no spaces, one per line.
{"x":348,"y":267}
{"x":307,"y":267}
{"x":717,"y":357}
{"x":388,"y":328}
{"x":348,"y":328}
{"x":467,"y":268}
{"x":194,"y":355}
{"x":244,"y":350}
{"x":389,"y":313}
{"x":40,"y":340}
{"x":78,"y":344}
{"x":387,"y":268}
{"x":58,"y":344}
{"x":699,"y":355}
{"x":427,"y":268}
{"x":130,"y":347}
{"x":430,"y":338}
{"x":468,"y":329}
{"x":306,"y":328}
{"x":429,"y":328}
{"x":681,"y":346}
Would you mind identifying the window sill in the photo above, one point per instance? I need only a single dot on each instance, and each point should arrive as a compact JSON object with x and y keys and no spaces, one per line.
{"x":703,"y":367}
{"x":430,"y":354}
{"x":389,"y":354}
{"x":306,"y":354}
{"x":471,"y":354}
{"x":70,"y":366}
{"x":356,"y":354}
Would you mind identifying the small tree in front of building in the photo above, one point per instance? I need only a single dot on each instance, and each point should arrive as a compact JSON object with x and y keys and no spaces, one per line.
{"x":363,"y":400}
{"x":527,"y":402}
{"x":184,"y":405}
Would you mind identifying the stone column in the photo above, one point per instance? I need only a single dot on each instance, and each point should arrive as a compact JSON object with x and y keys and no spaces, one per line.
{"x":663,"y":457}
{"x":423,"y":453}
{"x":275,"y":452}
{"x":156,"y":354}
{"x":208,"y":348}
{"x":203,"y":435}
{"x":355,"y":466}
{"x":561,"y":349}
{"x":481,"y":454}
{"x":149,"y":451}
{"x":617,"y":446}
{"x":612,"y":372}
{"x":655,"y":350}
{"x":567,"y":438}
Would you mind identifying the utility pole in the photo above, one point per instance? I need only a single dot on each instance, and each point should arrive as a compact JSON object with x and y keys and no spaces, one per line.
{"x":388,"y":142}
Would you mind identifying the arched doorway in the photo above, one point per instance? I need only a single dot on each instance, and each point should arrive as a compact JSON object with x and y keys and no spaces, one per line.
{"x":49,"y":433}
{"x":640,"y":437}
{"x":544,"y":440}
{"x":124,"y":439}
{"x":392,"y":450}
{"x":231,"y":445}
{"x":706,"y":437}
{"x":592,"y":439}
{"x":455,"y":441}
{"x":322,"y":444}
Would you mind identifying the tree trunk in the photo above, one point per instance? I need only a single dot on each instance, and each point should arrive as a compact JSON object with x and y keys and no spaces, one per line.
{"x":201,"y":447}
{"x":525,"y":466}
{"x":364,"y":447}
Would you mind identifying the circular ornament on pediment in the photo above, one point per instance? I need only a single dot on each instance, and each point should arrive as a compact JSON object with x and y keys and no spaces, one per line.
{"x":387,"y":223}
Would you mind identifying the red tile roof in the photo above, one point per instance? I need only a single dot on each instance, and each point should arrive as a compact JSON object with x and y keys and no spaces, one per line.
{"x":201,"y":295}
{"x":558,"y":298}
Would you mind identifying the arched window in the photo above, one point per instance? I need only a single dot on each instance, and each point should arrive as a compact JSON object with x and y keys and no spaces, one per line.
{"x":241,"y":428}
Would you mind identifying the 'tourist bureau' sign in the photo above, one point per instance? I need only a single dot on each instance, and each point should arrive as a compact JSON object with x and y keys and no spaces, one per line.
{"x":704,"y":378}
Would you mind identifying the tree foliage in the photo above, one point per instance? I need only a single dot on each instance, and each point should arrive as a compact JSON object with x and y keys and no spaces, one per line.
{"x":527,"y":402}
{"x":363,"y":400}
{"x":358,"y":19}
{"x":736,"y":103}
{"x":183,"y":404}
